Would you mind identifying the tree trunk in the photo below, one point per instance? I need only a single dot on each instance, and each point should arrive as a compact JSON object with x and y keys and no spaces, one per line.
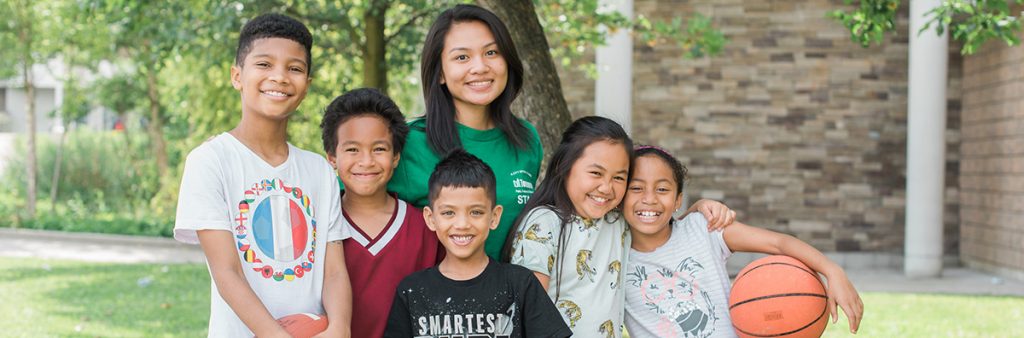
{"x":375,"y":68}
{"x":55,"y":180}
{"x":25,"y":37}
{"x":540,"y":101}
{"x":123,"y":117}
{"x":156,"y":123}
{"x":30,"y":151}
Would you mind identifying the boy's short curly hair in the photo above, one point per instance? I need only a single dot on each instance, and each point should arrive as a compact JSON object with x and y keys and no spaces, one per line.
{"x":273,"y":25}
{"x":363,"y":102}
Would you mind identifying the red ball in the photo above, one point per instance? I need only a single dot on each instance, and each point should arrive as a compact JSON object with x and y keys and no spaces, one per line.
{"x":303,"y":325}
{"x":778,"y":296}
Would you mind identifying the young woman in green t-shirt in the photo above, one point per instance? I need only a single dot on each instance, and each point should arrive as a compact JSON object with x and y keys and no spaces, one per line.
{"x":471,"y":74}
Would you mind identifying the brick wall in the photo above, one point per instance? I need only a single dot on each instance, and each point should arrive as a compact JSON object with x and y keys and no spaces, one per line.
{"x":793,"y":125}
{"x":577,"y":87}
{"x":992,"y":161}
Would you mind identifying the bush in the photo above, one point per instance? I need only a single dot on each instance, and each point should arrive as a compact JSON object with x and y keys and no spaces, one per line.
{"x":103,"y":171}
{"x":106,"y":182}
{"x":107,"y":223}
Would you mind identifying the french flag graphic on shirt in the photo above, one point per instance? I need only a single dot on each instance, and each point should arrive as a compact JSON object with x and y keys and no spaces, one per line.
{"x":279,"y":228}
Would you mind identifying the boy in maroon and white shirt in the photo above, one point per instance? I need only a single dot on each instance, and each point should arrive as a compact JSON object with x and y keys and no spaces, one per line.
{"x":363,"y":135}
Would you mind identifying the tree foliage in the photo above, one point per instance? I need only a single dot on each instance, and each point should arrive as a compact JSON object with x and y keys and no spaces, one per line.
{"x":972,"y":22}
{"x":869,"y":22}
{"x":25,"y":26}
{"x":576,"y":27}
{"x":975,"y":22}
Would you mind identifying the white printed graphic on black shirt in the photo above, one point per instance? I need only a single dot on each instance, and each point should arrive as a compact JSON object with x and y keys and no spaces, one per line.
{"x":489,"y":325}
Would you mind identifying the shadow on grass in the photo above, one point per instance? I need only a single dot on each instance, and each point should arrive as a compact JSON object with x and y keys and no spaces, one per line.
{"x":88,"y":299}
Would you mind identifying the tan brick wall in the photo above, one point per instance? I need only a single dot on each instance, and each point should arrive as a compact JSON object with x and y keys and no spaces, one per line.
{"x":794,"y":125}
{"x":577,"y":87}
{"x":992,"y":161}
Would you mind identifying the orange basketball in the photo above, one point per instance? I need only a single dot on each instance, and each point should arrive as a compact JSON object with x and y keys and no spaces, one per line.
{"x":303,"y":325}
{"x":778,"y":296}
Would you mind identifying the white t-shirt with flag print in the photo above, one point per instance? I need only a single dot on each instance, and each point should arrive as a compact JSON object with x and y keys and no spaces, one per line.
{"x":281,"y":217}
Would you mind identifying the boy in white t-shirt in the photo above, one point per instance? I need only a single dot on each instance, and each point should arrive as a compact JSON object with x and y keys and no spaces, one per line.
{"x":267,"y":214}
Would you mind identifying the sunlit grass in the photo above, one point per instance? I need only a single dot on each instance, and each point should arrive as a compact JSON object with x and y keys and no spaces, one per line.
{"x":932,"y":315}
{"x":46,"y":298}
{"x":928,"y":315}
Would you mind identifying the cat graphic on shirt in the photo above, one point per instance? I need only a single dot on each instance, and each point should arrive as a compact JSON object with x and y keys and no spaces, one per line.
{"x":686,"y":308}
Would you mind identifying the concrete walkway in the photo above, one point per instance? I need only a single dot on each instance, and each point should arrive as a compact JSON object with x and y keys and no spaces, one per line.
{"x":96,"y":247}
{"x":136,"y":249}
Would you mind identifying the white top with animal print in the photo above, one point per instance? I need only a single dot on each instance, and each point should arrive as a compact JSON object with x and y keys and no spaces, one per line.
{"x":680,"y":289}
{"x":589,"y":294}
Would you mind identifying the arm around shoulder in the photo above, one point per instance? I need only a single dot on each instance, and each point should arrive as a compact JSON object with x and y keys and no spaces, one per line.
{"x":717,"y":213}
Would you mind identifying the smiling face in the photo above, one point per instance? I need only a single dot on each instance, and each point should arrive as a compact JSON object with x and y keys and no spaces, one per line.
{"x":364,"y":157}
{"x":597,"y":179}
{"x":472,"y":68}
{"x":462,"y":218}
{"x":273,"y":78}
{"x":651,"y":198}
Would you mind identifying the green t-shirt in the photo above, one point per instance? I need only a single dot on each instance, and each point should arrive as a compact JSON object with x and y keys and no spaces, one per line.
{"x":515,"y":170}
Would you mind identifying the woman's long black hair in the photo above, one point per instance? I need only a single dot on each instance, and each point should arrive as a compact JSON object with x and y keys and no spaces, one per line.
{"x":442,"y":132}
{"x":552,"y":191}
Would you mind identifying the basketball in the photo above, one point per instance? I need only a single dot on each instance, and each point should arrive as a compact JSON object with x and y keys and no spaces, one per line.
{"x":778,"y":296}
{"x":303,"y":325}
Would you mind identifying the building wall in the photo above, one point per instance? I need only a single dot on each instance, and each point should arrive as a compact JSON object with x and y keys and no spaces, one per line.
{"x":577,"y":87}
{"x":16,"y":110}
{"x":992,"y":161}
{"x":793,"y":125}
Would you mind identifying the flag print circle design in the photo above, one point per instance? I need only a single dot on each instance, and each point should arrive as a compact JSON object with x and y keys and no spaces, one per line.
{"x":279,"y":228}
{"x":275,"y":230}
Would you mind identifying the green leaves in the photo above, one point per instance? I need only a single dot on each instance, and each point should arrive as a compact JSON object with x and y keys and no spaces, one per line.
{"x":868,"y":23}
{"x":975,"y":22}
{"x":574,"y":27}
{"x":972,"y":22}
{"x":698,"y":38}
{"x":121,"y":93}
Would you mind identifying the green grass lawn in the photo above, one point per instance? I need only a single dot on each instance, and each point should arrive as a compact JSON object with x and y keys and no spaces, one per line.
{"x":929,"y":315}
{"x":43,"y":298}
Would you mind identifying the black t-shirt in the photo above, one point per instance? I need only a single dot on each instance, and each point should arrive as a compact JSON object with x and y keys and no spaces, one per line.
{"x":504,"y":301}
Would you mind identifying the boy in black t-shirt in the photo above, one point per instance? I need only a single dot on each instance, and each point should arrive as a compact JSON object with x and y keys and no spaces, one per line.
{"x":468,"y":294}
